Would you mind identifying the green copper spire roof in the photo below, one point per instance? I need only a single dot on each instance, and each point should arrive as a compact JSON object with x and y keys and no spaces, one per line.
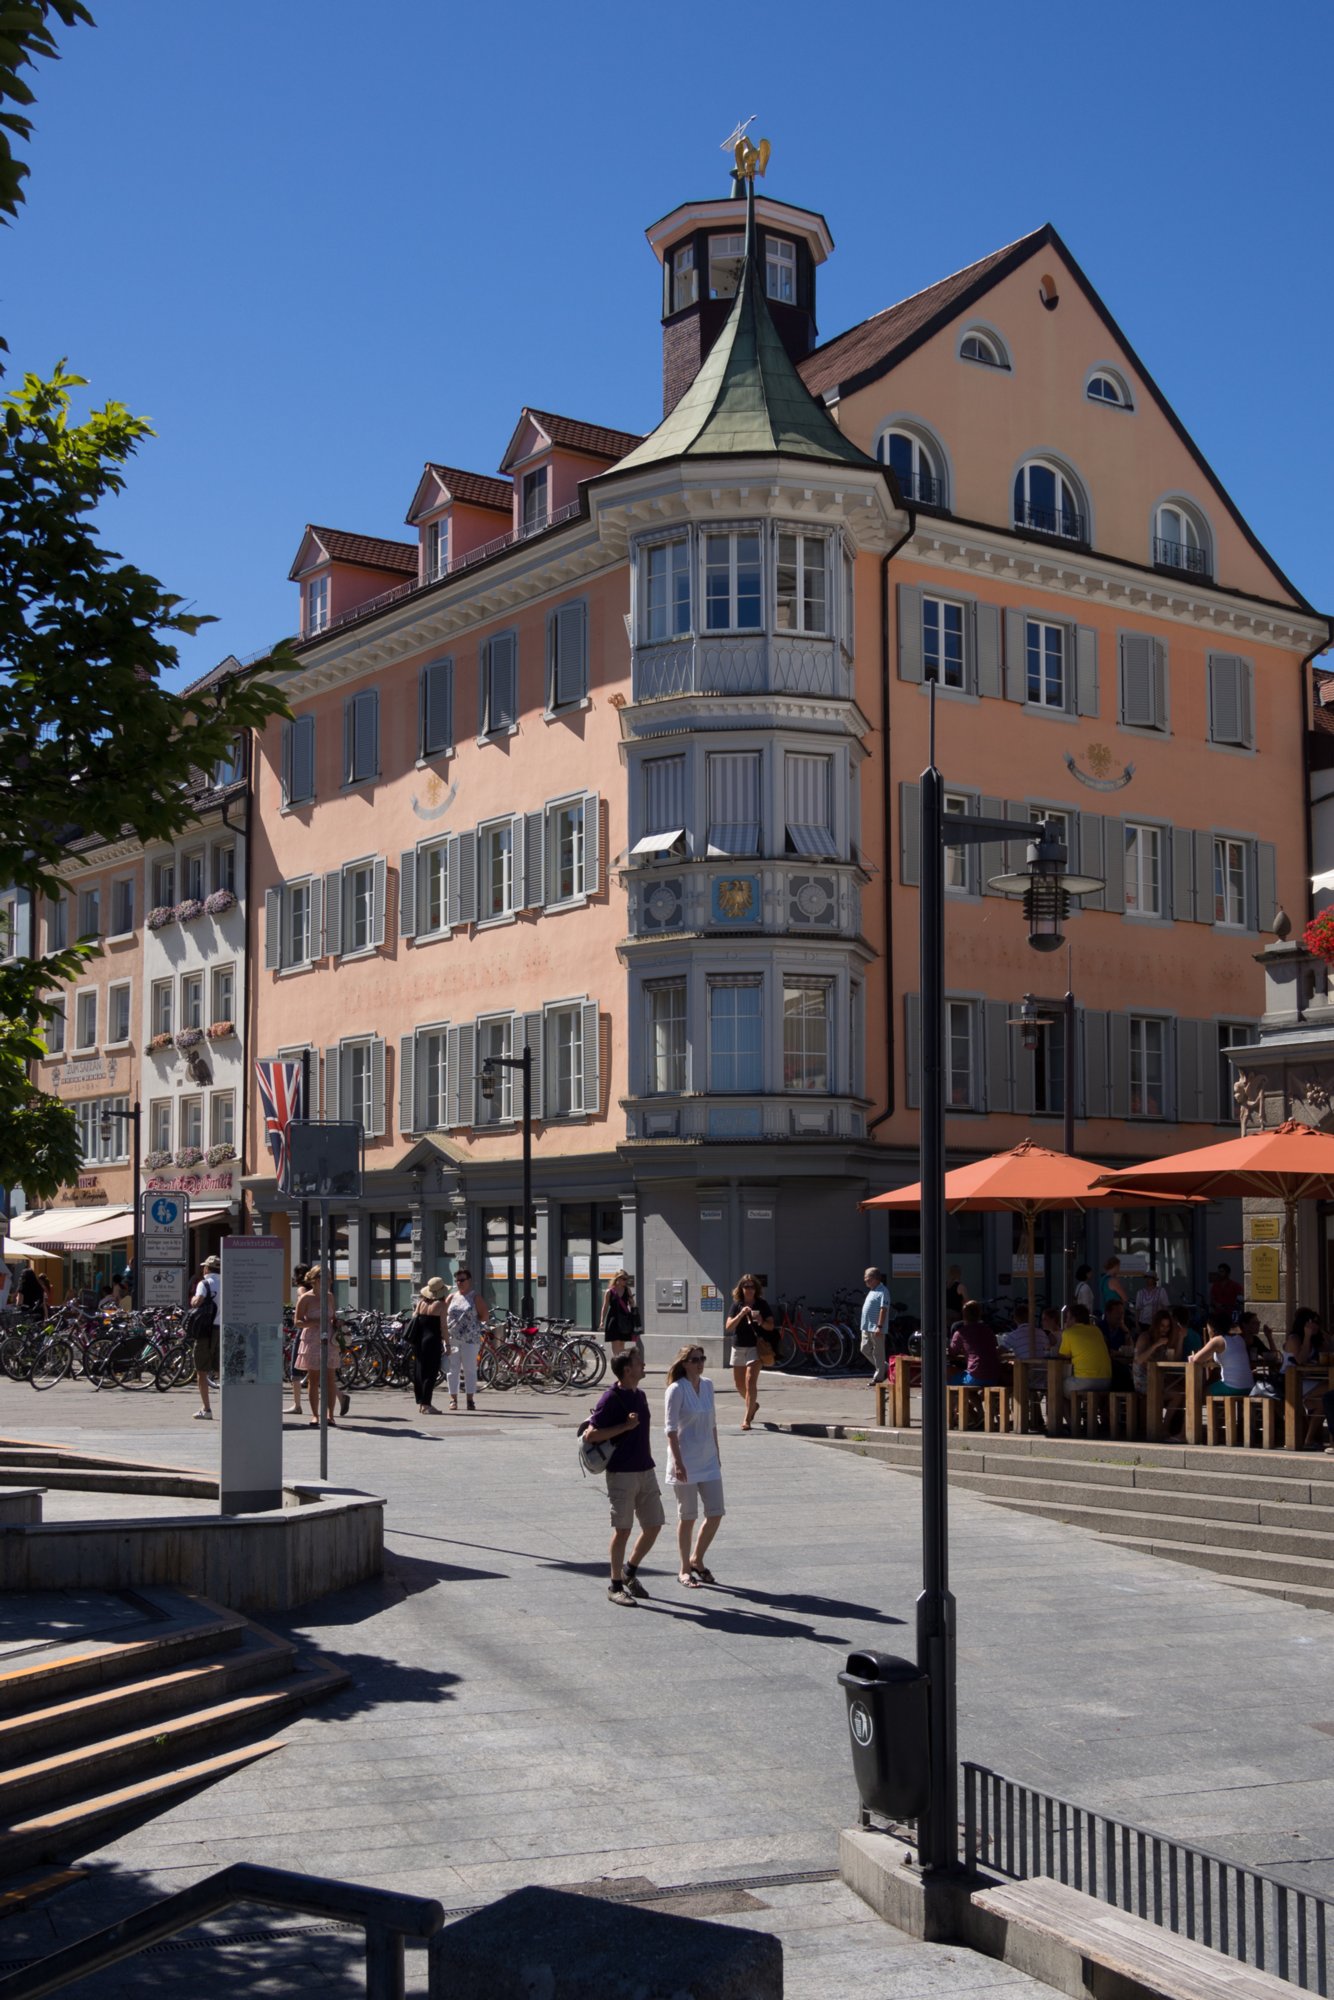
{"x":748,"y":397}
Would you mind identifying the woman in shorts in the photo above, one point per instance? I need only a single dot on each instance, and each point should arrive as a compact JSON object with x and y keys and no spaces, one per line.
{"x":751,"y":1314}
{"x":695,"y":1469}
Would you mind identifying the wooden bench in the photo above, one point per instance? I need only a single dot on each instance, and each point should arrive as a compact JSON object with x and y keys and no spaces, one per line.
{"x":1225,"y":1420}
{"x":1122,"y":1413}
{"x":1081,"y":1946}
{"x":994,"y":1405}
{"x":1085,"y":1407}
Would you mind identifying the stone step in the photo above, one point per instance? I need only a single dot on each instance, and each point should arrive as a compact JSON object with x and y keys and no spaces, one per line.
{"x":1309,"y":1594}
{"x":117,"y":1759}
{"x":127,"y":1705}
{"x":57,"y":1673}
{"x":1258,"y":1569}
{"x":1150,"y":1500}
{"x":118,"y":1479}
{"x":78,"y":1826}
{"x":1234,"y":1536}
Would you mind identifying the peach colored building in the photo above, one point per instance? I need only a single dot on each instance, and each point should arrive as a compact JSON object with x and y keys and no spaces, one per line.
{"x":617,"y":760}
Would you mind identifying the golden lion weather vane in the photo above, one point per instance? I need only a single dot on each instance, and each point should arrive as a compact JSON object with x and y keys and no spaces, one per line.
{"x":750,"y":158}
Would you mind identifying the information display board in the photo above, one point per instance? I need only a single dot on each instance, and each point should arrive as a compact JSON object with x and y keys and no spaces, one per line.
{"x":251,"y":1344}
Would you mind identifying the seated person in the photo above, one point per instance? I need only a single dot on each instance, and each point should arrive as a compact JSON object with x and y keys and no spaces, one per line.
{"x":1083,"y":1346}
{"x":1228,"y":1347}
{"x":974,"y":1350}
{"x":1119,"y":1334}
{"x":1188,"y":1339}
{"x":1027,"y":1343}
{"x":1155,"y":1343}
{"x":1302,"y":1351}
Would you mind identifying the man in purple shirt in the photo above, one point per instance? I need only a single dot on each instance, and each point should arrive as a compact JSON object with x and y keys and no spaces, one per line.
{"x":974,"y":1349}
{"x":622,"y":1412}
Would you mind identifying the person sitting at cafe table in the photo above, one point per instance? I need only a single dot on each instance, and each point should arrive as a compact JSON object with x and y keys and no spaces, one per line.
{"x":1120,"y":1338}
{"x":1083,"y":1346}
{"x":1187,"y":1339}
{"x":974,"y":1350}
{"x":1027,"y":1343}
{"x":1302,"y":1350}
{"x":1228,"y":1347}
{"x":1158,"y":1342}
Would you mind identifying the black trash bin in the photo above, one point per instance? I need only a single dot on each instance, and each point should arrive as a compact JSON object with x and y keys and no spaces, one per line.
{"x":887,"y":1726}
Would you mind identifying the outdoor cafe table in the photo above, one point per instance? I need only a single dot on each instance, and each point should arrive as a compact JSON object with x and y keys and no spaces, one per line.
{"x":1055,"y":1367}
{"x":1294,"y":1388}
{"x":1153,"y":1415}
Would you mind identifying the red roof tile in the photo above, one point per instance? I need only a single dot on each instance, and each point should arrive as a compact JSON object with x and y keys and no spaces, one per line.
{"x":876,"y":343}
{"x":592,"y":438}
{"x":369,"y":551}
{"x":476,"y":489}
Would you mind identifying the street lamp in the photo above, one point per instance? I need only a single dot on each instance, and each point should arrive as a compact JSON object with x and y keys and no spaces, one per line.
{"x":1046,"y":889}
{"x":133,"y":1119}
{"x":524,"y":1063}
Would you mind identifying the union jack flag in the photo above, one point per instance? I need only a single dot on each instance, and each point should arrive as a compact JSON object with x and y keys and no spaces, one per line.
{"x":280,"y":1094}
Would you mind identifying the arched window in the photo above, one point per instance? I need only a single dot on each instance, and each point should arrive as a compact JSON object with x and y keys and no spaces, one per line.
{"x":982,"y":345}
{"x":1181,"y":539}
{"x":917,"y":465}
{"x":1106,"y":386}
{"x":1046,"y":498}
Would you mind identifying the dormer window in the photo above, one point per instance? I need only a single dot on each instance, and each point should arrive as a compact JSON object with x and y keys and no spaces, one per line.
{"x":780,"y":270}
{"x":1180,"y":541}
{"x":983,"y":347}
{"x":727,"y":254}
{"x":1047,"y":500}
{"x":685,"y":278}
{"x":1106,"y":387}
{"x":437,"y":549}
{"x":317,"y":605}
{"x":914,"y":466}
{"x":535,"y":507}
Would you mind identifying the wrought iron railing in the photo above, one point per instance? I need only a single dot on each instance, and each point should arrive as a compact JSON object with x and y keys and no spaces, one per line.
{"x":1180,"y":555}
{"x":923,"y":488}
{"x":1017,"y":1831}
{"x":1061,"y":521}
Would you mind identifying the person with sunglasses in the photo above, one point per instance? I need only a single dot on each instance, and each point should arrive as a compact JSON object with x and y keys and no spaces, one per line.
{"x":695,"y":1468}
{"x":751,"y":1315}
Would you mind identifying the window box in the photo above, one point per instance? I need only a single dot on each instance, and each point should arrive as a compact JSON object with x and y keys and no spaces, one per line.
{"x":160,"y":1042}
{"x":189,"y":1038}
{"x":220,"y":902}
{"x":156,"y":1160}
{"x":189,"y":910}
{"x":218,"y":1031}
{"x":217,"y":1154}
{"x":189,"y":1156}
{"x":159,"y":918}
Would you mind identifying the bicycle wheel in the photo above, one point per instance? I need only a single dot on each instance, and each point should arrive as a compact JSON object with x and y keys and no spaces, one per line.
{"x":132,"y":1361}
{"x":17,"y":1353}
{"x":556,"y":1369}
{"x":176,"y":1364}
{"x":587,"y":1359}
{"x":784,"y":1344}
{"x":827,"y":1347}
{"x":54,"y":1359}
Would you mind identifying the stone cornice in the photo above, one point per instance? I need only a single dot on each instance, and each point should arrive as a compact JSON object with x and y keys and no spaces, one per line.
{"x":858,"y":501}
{"x":1140,"y":594}
{"x":692,"y":714}
{"x":106,"y":856}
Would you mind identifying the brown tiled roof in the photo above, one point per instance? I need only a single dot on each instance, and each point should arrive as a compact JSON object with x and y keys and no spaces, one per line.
{"x":592,"y":438}
{"x":369,"y":551}
{"x":878,"y":342}
{"x":476,"y":489}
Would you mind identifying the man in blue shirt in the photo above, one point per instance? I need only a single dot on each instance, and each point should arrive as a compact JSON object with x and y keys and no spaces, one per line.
{"x":622,"y":1412}
{"x":875,"y":1318}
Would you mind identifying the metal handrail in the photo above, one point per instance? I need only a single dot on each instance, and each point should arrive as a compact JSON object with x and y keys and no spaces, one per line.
{"x":1180,"y":555}
{"x":1238,"y":1911}
{"x":386,"y":1917}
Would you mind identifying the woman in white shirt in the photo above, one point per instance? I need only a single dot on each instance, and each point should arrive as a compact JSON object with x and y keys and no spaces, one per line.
{"x":695,"y":1468}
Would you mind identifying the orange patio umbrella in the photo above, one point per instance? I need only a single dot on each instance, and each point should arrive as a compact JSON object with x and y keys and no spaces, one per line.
{"x":1027,"y":1179}
{"x":1292,"y":1163}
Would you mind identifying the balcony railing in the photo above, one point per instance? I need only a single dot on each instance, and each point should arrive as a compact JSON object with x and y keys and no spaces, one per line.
{"x":1063,"y":522}
{"x":1181,"y":556}
{"x":715,"y":664}
{"x":923,"y":488}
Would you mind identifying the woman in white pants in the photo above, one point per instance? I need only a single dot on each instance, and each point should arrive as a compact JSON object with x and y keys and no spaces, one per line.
{"x":695,"y":1471}
{"x":467,"y":1314}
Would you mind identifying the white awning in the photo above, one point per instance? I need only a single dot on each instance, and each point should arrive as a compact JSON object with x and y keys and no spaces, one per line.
{"x":208,"y":1211}
{"x":660,"y":843}
{"x":1325,"y":881}
{"x":73,"y":1228}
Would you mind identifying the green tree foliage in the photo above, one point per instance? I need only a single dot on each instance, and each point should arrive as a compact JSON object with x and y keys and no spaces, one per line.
{"x":26,"y":33}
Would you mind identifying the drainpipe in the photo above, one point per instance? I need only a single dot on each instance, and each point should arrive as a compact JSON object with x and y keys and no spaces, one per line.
{"x":887,"y":801}
{"x":1324,"y":645}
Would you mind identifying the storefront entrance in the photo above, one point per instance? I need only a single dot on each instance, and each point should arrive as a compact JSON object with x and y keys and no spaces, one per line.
{"x":591,"y":1253}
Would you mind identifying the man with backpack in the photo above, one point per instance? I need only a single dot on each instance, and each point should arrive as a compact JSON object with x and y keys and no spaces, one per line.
{"x":622,"y":1412}
{"x":201,"y":1323}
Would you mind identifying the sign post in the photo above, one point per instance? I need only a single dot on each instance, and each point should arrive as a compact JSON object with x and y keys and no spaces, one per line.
{"x":324,"y":1161}
{"x":164,"y":1249}
{"x":250,"y":1477}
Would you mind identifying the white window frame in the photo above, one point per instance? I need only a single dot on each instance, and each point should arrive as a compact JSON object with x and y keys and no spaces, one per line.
{"x":923,"y":464}
{"x":358,"y":902}
{"x":430,"y":1058}
{"x":944,"y":606}
{"x":658,"y":1059}
{"x":684,"y":279}
{"x":120,"y":987}
{"x":85,"y":1016}
{"x":192,"y":1000}
{"x":726,"y":249}
{"x":751,"y":983}
{"x":574,"y":812}
{"x":780,"y":261}
{"x":437,"y":549}
{"x":122,"y":892}
{"x":489,"y":831}
{"x":806,"y":1055}
{"x":164,"y":882}
{"x":664,"y":567}
{"x":1120,"y":399}
{"x":222,"y":1111}
{"x":90,"y":905}
{"x":993,"y":354}
{"x":356,"y":1080}
{"x":535,"y":512}
{"x":191,"y":1120}
{"x":1231,"y":856}
{"x":1140,"y":1056}
{"x":501,"y":1109}
{"x":812,"y":609}
{"x":57,"y":923}
{"x":1145,"y":847}
{"x":433,"y":857}
{"x":731,"y":536}
{"x":159,"y":1125}
{"x":567,"y":1016}
{"x":54,"y":1029}
{"x":194,"y":875}
{"x":162,"y":1006}
{"x":1046,"y":628}
{"x":218,"y":1010}
{"x":1069,"y":500}
{"x":961,"y":1038}
{"x":317,"y":605}
{"x":958,"y":858}
{"x":224,"y":866}
{"x":289,"y":957}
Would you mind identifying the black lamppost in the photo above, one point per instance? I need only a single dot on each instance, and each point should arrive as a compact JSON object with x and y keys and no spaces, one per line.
{"x":1046,"y":891}
{"x":134,"y":1120}
{"x":525,"y":1063}
{"x":1033,"y":1016}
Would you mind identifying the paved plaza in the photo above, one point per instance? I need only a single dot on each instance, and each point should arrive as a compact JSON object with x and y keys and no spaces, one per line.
{"x":505,"y":1724}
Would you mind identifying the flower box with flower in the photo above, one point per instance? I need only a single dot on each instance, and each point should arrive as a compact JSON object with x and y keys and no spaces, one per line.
{"x":218,"y":1031}
{"x":158,"y":919}
{"x":189,"y":1038}
{"x":155,"y":1161}
{"x":220,"y":902}
{"x":187,"y":911}
{"x":1318,"y":937}
{"x":217,"y":1154}
{"x":160,"y":1042}
{"x":188,"y":1156}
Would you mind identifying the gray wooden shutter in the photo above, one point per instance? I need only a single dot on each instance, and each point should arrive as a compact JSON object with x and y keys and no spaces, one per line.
{"x":333,"y":1062}
{"x":910,"y":835}
{"x":304,"y":766}
{"x":992,"y":851}
{"x":463,"y":878}
{"x":1183,"y":876}
{"x":532,"y":1039}
{"x":1160,"y":701}
{"x":1245,"y":702}
{"x":376,"y":1127}
{"x":1086,"y":670}
{"x":1093,"y":857}
{"x":333,"y":915}
{"x":1138,"y":709}
{"x":316,"y":917}
{"x":910,"y":633}
{"x":273,"y":929}
{"x":999,"y":1088}
{"x":1204,"y":877}
{"x":349,"y":730}
{"x":1229,"y":699}
{"x":285,"y":761}
{"x":407,"y":893}
{"x":1093,"y":1022}
{"x":518,"y":859}
{"x":371,"y":704}
{"x":912,"y":1049}
{"x":592,"y":844}
{"x":1266,"y":893}
{"x":1118,"y":1046}
{"x":450,"y":1109}
{"x":1114,"y":865}
{"x":592,"y":1051}
{"x":463,"y":1042}
{"x":534,"y":864}
{"x":379,"y":887}
{"x":407,"y":1065}
{"x":1016,"y":656}
{"x":1190,"y":1102}
{"x":986,"y":645}
{"x":505,"y":667}
{"x":567,"y":655}
{"x":1023,"y":1071}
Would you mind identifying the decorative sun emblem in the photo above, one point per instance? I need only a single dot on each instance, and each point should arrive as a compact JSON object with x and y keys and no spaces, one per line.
{"x":1100,"y":759}
{"x":735,"y":896}
{"x":1102,"y":774}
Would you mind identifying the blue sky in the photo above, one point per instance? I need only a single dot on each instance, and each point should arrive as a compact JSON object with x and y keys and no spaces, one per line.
{"x":318,"y":242}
